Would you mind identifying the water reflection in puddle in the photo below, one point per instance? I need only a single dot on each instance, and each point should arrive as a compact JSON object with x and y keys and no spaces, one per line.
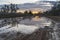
{"x":26,"y":25}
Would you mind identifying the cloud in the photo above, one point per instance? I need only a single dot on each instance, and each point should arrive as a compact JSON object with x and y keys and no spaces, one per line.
{"x":20,"y":1}
{"x":47,"y":0}
{"x":17,"y":1}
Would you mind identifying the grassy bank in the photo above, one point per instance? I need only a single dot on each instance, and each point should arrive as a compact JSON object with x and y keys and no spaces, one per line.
{"x":55,"y":18}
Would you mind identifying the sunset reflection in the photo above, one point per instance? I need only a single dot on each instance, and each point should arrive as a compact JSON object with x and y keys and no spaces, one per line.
{"x":36,"y":18}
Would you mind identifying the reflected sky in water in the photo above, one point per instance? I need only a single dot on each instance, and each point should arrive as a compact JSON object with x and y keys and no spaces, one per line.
{"x":28,"y":25}
{"x":42,"y":21}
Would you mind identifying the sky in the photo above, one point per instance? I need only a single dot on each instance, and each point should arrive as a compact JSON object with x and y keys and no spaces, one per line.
{"x":20,"y":1}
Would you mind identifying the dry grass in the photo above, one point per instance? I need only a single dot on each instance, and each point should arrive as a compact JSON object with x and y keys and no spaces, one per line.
{"x":55,"y":18}
{"x":38,"y":35}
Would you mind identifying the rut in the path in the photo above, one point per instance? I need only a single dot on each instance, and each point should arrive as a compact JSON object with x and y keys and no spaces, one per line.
{"x":38,"y":35}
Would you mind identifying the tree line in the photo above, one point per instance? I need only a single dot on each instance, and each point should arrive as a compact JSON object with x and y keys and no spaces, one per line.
{"x":55,"y":11}
{"x":11,"y":11}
